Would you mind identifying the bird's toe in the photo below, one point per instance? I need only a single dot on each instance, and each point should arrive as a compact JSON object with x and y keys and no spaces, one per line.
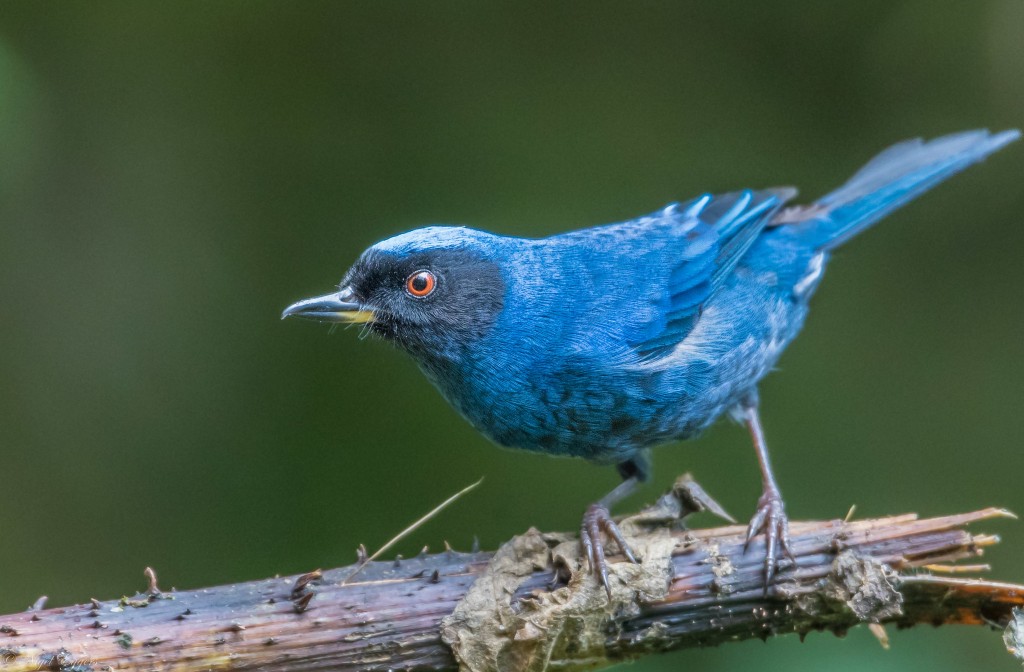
{"x":771,"y":520}
{"x":596,"y":520}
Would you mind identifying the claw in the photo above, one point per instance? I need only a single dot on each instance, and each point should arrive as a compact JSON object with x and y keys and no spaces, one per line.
{"x":771,"y":519}
{"x":756,"y":523}
{"x":595,"y":520}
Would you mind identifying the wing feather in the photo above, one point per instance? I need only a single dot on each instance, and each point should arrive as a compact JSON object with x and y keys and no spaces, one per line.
{"x":718,"y":232}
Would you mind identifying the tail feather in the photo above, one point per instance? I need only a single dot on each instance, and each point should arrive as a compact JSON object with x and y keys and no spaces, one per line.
{"x":893,"y":178}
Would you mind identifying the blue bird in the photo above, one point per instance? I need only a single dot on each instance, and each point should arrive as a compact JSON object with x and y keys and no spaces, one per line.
{"x":604,"y":342}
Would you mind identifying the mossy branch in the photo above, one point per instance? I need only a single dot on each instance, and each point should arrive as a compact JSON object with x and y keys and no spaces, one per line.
{"x":500,"y":611}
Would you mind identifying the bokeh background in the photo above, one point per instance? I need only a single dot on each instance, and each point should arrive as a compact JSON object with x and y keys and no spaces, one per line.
{"x":172,"y":175}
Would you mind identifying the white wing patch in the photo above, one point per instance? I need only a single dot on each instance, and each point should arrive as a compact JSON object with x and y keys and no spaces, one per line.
{"x":814,"y":269}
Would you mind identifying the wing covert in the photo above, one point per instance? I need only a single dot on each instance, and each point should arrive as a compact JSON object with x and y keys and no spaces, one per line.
{"x":715,"y":233}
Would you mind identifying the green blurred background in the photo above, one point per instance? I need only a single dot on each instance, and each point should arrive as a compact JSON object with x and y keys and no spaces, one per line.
{"x":174,"y":174}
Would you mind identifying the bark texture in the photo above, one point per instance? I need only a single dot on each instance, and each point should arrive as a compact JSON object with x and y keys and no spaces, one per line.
{"x":531,"y":605}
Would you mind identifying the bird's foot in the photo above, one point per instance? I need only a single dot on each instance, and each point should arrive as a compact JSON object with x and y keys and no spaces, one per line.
{"x":598,"y":519}
{"x":771,"y":519}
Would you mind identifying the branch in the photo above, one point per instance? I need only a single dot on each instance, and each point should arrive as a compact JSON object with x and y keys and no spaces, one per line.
{"x":531,"y":605}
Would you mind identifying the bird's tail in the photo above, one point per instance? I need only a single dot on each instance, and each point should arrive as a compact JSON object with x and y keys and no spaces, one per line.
{"x":895,"y":177}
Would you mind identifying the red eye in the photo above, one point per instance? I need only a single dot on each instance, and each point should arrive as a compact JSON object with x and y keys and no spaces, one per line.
{"x":420,"y":284}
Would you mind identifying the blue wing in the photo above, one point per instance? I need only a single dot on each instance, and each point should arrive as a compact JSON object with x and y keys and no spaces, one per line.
{"x":710,"y":236}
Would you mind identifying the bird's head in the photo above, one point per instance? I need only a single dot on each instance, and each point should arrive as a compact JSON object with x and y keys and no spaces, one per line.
{"x":433,"y":291}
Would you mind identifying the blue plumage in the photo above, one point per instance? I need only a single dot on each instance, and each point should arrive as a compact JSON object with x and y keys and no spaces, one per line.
{"x":604,"y":342}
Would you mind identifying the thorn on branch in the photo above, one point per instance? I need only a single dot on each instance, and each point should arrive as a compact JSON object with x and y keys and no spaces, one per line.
{"x":154,"y":589}
{"x":300,"y":604}
{"x":304,"y":580}
{"x":695,"y":499}
{"x":302,"y":592}
{"x":878,"y":630}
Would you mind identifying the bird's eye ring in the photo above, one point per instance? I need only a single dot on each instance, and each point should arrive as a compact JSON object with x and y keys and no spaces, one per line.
{"x":420,"y":284}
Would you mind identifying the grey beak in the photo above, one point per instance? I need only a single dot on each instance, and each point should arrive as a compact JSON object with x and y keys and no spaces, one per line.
{"x":337,"y":307}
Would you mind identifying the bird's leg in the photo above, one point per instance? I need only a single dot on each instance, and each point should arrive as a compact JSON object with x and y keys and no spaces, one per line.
{"x":598,"y":518}
{"x":770,"y":516}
